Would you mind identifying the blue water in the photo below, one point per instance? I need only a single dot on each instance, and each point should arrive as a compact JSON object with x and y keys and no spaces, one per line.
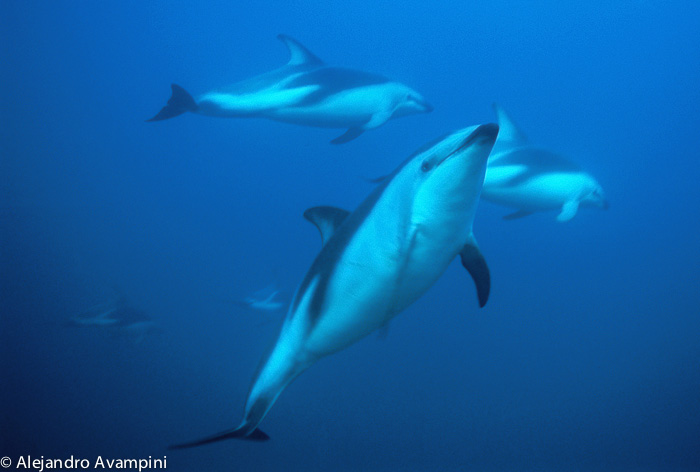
{"x":587,"y":356}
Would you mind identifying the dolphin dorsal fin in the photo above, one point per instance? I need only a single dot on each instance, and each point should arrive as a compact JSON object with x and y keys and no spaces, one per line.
{"x":298,"y":54}
{"x":509,"y":132}
{"x":326,"y":219}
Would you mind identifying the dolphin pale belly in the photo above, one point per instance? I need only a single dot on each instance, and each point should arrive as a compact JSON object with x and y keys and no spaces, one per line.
{"x":532,"y":179}
{"x":306,"y":92}
{"x":376,"y":261}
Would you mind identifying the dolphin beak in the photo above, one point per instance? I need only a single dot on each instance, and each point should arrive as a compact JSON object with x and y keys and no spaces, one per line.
{"x":482,"y":132}
{"x":488,"y":131}
{"x":606,"y":204}
{"x":427,"y":107}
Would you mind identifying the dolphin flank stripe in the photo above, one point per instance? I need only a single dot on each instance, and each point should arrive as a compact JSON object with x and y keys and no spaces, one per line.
{"x":534,"y":164}
{"x":334,"y":80}
{"x":544,"y":159}
{"x":259,"y":82}
{"x":321,"y":267}
{"x":344,"y":233}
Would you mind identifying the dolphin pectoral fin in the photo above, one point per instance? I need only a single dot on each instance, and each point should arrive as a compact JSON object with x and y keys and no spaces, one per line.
{"x":348,"y":136}
{"x":237,"y":433}
{"x":474,"y":262}
{"x":378,"y":119}
{"x":326,"y":219}
{"x":517,"y":214}
{"x":375,"y":121}
{"x":298,"y":54}
{"x":568,"y":211}
{"x":180,"y":102}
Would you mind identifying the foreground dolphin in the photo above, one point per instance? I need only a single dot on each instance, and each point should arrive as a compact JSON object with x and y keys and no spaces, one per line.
{"x":306,"y":92}
{"x":376,"y":261}
{"x":532,"y":179}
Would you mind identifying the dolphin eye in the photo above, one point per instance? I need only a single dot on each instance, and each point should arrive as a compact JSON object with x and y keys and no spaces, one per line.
{"x":426,"y":166}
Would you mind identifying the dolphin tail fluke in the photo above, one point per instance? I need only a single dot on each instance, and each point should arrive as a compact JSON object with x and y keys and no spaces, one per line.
{"x":237,"y":433}
{"x":179,"y":103}
{"x":348,"y":136}
{"x":267,"y":386}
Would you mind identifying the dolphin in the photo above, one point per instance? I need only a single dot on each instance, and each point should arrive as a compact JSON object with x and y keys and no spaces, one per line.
{"x":118,"y":317}
{"x":532,"y":179}
{"x":98,"y":315}
{"x":376,"y":261}
{"x":265,"y":299}
{"x":307,"y":92}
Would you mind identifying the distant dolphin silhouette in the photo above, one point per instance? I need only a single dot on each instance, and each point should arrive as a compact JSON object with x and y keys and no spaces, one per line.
{"x":117,"y":317}
{"x":265,"y":299}
{"x":306,"y":92}
{"x":533,"y":179}
{"x":376,"y":261}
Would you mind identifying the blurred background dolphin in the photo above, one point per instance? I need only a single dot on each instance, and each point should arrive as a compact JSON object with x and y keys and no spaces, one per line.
{"x":531,"y":179}
{"x":265,"y":300}
{"x":117,"y":317}
{"x":307,"y":92}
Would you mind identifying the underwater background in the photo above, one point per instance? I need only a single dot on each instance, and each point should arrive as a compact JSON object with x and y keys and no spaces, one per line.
{"x":587,"y":356}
